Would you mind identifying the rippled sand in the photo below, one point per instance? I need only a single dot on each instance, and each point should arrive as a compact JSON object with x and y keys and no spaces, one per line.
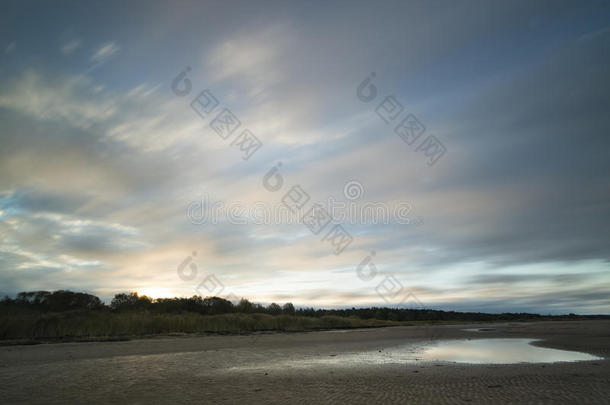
{"x":310,"y":368}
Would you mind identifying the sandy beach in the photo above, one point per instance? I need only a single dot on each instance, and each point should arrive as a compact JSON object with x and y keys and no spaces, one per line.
{"x":353,"y":366}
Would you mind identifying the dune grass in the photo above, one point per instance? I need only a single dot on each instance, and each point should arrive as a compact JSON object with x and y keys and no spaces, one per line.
{"x":84,"y":325}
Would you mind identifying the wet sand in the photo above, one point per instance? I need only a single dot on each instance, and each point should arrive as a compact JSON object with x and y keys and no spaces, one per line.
{"x":287,"y":368}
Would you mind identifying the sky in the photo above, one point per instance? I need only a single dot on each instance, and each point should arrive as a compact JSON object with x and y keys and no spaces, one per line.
{"x":118,"y":174}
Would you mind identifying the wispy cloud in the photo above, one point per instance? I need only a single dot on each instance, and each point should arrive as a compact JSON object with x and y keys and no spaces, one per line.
{"x":98,"y":168}
{"x":105,"y":53}
{"x":71,"y":46}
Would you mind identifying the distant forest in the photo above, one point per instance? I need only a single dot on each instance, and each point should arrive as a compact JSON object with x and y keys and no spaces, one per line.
{"x":62,"y":301}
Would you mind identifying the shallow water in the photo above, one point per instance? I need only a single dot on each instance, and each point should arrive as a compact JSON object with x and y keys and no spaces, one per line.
{"x":498,"y":351}
{"x":472,"y":351}
{"x":480,"y":330}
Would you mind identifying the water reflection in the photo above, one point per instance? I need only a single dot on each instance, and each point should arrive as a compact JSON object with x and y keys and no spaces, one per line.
{"x":498,"y":351}
{"x":473,"y":351}
{"x":480,"y":330}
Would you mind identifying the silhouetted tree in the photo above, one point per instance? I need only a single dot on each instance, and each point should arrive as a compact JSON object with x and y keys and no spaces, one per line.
{"x":130,"y":301}
{"x":288,"y":309}
{"x":274,"y":309}
{"x":217,"y":305}
{"x":60,"y":300}
{"x":244,"y":306}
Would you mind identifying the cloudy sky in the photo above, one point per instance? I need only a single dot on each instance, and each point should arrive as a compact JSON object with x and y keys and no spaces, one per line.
{"x":110,"y":180}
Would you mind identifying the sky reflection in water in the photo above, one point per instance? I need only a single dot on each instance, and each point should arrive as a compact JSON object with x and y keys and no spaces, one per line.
{"x":473,"y":351}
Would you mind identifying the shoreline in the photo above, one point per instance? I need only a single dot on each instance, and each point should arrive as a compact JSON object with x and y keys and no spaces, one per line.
{"x":98,"y":339}
{"x":274,"y":368}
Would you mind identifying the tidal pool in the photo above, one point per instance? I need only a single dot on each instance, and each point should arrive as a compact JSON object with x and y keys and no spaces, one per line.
{"x":471,"y":351}
{"x":497,"y":351}
{"x":481,"y":330}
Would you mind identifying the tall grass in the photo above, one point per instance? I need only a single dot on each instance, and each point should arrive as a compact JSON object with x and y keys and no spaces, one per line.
{"x":99,"y":324}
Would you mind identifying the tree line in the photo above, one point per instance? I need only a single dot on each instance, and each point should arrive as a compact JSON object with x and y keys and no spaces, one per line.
{"x":63,"y":300}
